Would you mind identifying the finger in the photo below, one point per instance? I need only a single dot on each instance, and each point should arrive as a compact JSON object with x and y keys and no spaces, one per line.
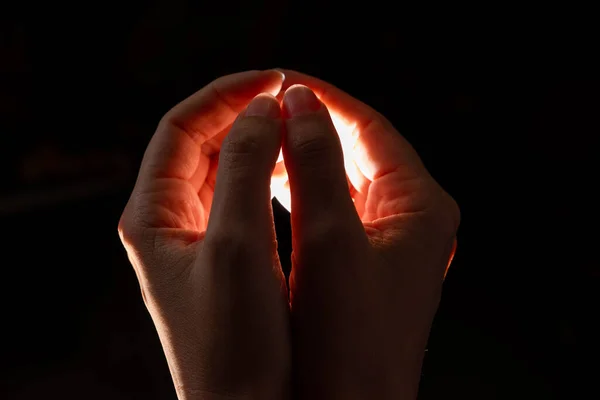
{"x":242,"y":201}
{"x":175,"y":150}
{"x":315,"y":164}
{"x":376,"y":147}
{"x":280,"y":188}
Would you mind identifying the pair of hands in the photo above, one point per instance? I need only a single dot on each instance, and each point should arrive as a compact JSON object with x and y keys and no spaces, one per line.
{"x":370,"y":248}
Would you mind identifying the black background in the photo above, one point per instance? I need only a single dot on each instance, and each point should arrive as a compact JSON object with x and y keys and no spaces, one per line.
{"x":502,"y":104}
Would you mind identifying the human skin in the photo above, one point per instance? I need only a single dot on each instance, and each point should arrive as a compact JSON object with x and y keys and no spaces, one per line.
{"x":204,"y":249}
{"x":368,"y":263}
{"x":368,"y":260}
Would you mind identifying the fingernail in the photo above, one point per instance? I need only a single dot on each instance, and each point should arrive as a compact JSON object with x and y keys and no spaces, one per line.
{"x":279,"y":70}
{"x":300,"y":100}
{"x":263,"y":105}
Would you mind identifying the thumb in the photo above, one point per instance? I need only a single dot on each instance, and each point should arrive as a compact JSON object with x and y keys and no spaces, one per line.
{"x":241,"y":206}
{"x":314,"y":161}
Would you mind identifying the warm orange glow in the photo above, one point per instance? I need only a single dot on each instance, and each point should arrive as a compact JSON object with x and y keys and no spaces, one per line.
{"x":452,"y":252}
{"x":347,"y":133}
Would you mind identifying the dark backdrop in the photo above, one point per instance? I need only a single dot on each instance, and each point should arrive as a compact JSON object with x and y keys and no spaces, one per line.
{"x":502,"y":105}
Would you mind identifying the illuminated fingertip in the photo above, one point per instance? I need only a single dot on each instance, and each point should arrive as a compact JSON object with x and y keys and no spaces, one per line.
{"x":297,"y":85}
{"x":279,"y":85}
{"x":280,"y":72}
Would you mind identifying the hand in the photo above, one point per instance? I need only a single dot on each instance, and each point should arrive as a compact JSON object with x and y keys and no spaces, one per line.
{"x":205,"y":253}
{"x":368,"y":259}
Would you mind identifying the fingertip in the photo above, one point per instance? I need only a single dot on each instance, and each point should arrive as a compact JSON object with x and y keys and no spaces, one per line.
{"x":300,"y":100}
{"x":267,"y":96}
{"x":295,"y":87}
{"x":280,"y":72}
{"x":291,"y":77}
{"x":263,"y":105}
{"x":278,"y":78}
{"x":280,"y":93}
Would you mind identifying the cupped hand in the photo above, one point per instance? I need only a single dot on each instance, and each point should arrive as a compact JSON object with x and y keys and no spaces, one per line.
{"x":204,"y":248}
{"x":372,"y":236}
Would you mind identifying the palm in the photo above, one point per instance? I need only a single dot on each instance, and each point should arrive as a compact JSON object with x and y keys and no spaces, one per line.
{"x":179,"y":204}
{"x":378,"y":191}
{"x":175,"y":205}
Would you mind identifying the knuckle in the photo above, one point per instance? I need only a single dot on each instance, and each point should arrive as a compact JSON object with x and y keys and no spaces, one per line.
{"x":324,"y":236}
{"x":228,"y":248}
{"x":134,"y":235}
{"x":127,"y":230}
{"x":313,"y":141}
{"x":447,"y":213}
{"x":248,"y":138}
{"x":241,"y":144}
